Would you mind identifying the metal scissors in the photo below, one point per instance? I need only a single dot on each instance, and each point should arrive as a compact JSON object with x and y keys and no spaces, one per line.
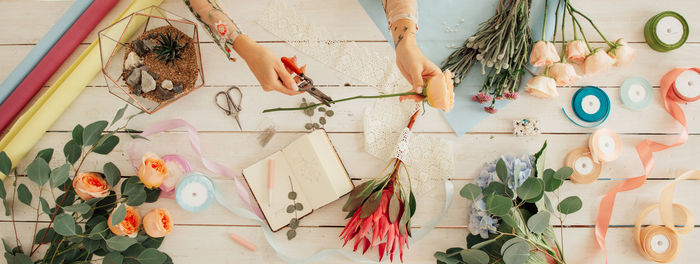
{"x":306,"y":84}
{"x":232,"y":107}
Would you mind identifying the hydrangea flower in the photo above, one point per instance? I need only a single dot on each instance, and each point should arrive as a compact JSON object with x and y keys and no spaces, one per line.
{"x":524,"y":164}
{"x":480,"y":222}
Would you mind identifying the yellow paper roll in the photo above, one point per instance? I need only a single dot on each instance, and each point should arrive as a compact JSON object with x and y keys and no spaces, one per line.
{"x":32,"y":125}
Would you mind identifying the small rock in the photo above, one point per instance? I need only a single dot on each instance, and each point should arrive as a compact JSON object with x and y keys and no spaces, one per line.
{"x":139,"y":47}
{"x":136,"y":89}
{"x":154,"y":75}
{"x":134,"y":77}
{"x":149,"y":43}
{"x":178,"y":88}
{"x":147,"y":82}
{"x":132,"y":61}
{"x":167,"y":85}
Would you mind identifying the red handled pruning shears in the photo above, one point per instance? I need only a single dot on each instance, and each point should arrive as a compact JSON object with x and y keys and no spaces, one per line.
{"x":306,"y":84}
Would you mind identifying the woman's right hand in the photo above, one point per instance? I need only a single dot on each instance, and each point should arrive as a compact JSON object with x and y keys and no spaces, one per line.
{"x":266,"y":66}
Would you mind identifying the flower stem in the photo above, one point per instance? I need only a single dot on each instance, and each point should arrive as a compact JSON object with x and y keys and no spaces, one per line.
{"x":576,"y":23}
{"x":338,"y":101}
{"x":544,"y":23}
{"x":563,"y":39}
{"x":556,"y":21}
{"x":592,"y":24}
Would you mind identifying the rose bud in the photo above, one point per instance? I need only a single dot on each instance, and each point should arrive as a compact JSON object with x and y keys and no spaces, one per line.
{"x":90,"y":185}
{"x":622,"y":53}
{"x":127,"y":227}
{"x":564,"y":73}
{"x":440,"y":91}
{"x":543,"y":53}
{"x":542,"y":86}
{"x":157,"y":222}
{"x":597,"y":62}
{"x":576,"y":51}
{"x":152,"y":171}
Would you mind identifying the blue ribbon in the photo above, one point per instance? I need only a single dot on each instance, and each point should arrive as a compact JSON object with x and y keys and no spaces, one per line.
{"x":192,"y":178}
{"x":577,"y":104}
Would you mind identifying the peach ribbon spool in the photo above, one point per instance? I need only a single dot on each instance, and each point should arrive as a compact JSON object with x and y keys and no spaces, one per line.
{"x":585,"y":169}
{"x":605,"y":145}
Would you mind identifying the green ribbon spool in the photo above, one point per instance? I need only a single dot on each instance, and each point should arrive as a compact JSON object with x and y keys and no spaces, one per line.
{"x":663,"y":31}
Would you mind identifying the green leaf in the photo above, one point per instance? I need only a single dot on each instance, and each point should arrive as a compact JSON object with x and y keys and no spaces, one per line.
{"x":152,"y":256}
{"x":497,"y":188}
{"x":38,"y":171}
{"x":45,"y":206}
{"x":50,"y":235}
{"x":119,"y":114}
{"x":72,"y":151}
{"x":299,"y":206}
{"x":412,"y":203}
{"x":294,"y":223}
{"x":290,"y":209}
{"x":292,"y":195}
{"x":474,"y":256}
{"x":113,"y":258}
{"x":98,"y":231}
{"x":64,"y":224}
{"x":563,"y":173}
{"x":45,"y":154}
{"x":3,"y":193}
{"x":502,"y":170}
{"x":80,"y":208}
{"x":550,"y":182}
{"x":152,"y":195}
{"x":120,"y":243}
{"x":371,"y":205}
{"x":539,"y":222}
{"x":291,"y":234}
{"x":444,"y":258}
{"x":570,"y":205}
{"x":119,"y":214}
{"x":508,"y":220}
{"x":24,"y":195}
{"x":470,"y":191}
{"x":77,"y":134}
{"x":7,"y":246}
{"x":59,"y":175}
{"x":394,"y":208}
{"x":540,"y":157}
{"x":136,"y":197}
{"x":515,"y":251}
{"x":93,"y":132}
{"x":106,"y":146}
{"x":20,"y":258}
{"x":112,"y":173}
{"x":498,"y":205}
{"x":155,"y":242}
{"x":5,"y":163}
{"x":531,"y":189}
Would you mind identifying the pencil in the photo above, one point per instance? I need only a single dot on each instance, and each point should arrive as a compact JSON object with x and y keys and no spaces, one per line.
{"x":270,"y":180}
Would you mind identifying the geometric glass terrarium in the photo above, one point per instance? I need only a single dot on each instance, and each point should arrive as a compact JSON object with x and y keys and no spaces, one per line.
{"x":151,"y":58}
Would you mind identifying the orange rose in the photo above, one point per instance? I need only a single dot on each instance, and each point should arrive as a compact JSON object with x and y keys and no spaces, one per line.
{"x":543,"y":53}
{"x":152,"y":171}
{"x":564,"y":73}
{"x":542,"y":86}
{"x":576,"y":51}
{"x":597,"y":62}
{"x":129,"y":226}
{"x":90,"y":185}
{"x":622,"y":53}
{"x":157,"y":222}
{"x":440,"y":91}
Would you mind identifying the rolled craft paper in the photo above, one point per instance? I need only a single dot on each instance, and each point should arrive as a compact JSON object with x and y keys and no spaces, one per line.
{"x":29,"y":128}
{"x":53,"y":60}
{"x":42,"y":47}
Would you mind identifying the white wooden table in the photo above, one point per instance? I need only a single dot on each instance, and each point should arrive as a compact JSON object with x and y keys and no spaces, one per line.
{"x":202,"y":237}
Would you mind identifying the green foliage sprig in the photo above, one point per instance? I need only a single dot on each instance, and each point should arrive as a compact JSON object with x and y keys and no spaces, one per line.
{"x":294,"y":207}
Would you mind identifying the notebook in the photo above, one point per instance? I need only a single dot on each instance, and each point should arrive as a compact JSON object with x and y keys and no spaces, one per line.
{"x":310,"y":166}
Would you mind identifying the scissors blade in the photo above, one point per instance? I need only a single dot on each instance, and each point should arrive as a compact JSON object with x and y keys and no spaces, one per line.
{"x":238,"y":121}
{"x":316,"y":93}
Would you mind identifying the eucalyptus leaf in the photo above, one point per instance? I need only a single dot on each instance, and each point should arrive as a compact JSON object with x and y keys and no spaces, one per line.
{"x":93,"y":132}
{"x":137,"y":197}
{"x":515,"y":251}
{"x":292,"y":195}
{"x":5,"y":163}
{"x":470,"y":191}
{"x":120,"y":243}
{"x":98,"y":231}
{"x":119,"y":214}
{"x":498,"y":205}
{"x":106,"y":146}
{"x":290,"y":209}
{"x":539,"y":222}
{"x":563,"y":173}
{"x":550,"y":182}
{"x":540,"y":157}
{"x":3,"y":192}
{"x":294,"y":223}
{"x":299,"y":206}
{"x":59,"y":175}
{"x":72,"y":151}
{"x":152,"y":256}
{"x":20,"y":258}
{"x":501,"y":170}
{"x":570,"y":205}
{"x":497,"y":188}
{"x":508,"y":220}
{"x":371,"y":205}
{"x":24,"y":195}
{"x":44,"y":236}
{"x":394,"y":208}
{"x":119,"y":114}
{"x":412,"y":203}
{"x":38,"y":171}
{"x":530,"y":189}
{"x":78,"y":208}
{"x":112,"y":173}
{"x":113,"y":258}
{"x":45,"y":154}
{"x":77,"y":134}
{"x":64,"y":224}
{"x":45,"y":206}
{"x":291,"y":234}
{"x":444,"y":258}
{"x":474,"y":256}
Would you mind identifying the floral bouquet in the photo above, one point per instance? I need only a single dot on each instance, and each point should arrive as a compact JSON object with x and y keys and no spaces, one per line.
{"x":509,"y":220}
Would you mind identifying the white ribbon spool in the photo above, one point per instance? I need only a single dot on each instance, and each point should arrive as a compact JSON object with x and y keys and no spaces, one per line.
{"x":669,"y":30}
{"x":688,"y":84}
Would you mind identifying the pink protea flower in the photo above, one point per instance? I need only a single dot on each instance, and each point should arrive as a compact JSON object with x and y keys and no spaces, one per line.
{"x":490,"y":109}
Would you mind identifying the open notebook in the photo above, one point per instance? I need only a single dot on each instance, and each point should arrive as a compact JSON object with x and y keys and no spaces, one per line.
{"x":311,"y":166}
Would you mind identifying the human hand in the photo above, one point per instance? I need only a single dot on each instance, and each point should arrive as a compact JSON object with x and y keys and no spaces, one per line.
{"x":414,"y":66}
{"x":267,"y":67}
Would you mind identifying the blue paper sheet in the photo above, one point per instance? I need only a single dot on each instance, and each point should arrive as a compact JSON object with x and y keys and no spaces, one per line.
{"x":42,"y":47}
{"x":433,"y":18}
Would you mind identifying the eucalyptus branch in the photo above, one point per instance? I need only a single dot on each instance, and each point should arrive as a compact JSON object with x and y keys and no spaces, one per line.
{"x":338,"y":101}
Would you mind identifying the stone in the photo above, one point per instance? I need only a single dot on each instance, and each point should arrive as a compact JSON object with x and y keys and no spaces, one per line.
{"x":147,"y":82}
{"x":134,"y":77}
{"x":167,"y":85}
{"x":132,"y":61}
{"x":154,"y":75}
{"x":136,"y":89}
{"x":178,"y":88}
{"x":149,"y":43}
{"x":140,"y":47}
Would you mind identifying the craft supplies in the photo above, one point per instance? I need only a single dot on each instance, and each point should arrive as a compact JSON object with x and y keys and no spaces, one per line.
{"x":687,"y":86}
{"x":646,"y":149}
{"x":526,"y":127}
{"x":591,"y":105}
{"x":666,"y":31}
{"x":194,"y":192}
{"x":26,"y":89}
{"x":241,"y":241}
{"x":44,"y":45}
{"x":605,"y":145}
{"x":636,"y":93}
{"x":29,"y":128}
{"x":232,"y":106}
{"x":585,"y":169}
{"x":270,"y":180}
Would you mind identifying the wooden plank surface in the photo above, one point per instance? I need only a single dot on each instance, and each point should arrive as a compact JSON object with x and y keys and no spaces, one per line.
{"x":202,"y":237}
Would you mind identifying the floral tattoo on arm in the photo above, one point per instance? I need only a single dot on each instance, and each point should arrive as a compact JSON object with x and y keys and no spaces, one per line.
{"x":217,"y":22}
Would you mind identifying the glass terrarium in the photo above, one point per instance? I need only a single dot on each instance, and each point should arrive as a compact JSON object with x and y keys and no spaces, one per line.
{"x":151,"y":58}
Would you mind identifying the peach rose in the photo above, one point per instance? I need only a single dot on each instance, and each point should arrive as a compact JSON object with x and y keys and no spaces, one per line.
{"x":564,"y":73}
{"x":542,"y":86}
{"x":129,"y":226}
{"x":90,"y":185}
{"x":622,"y":53}
{"x":597,"y":62}
{"x":576,"y":51}
{"x":152,"y":171}
{"x":440,"y":91}
{"x":543,"y":53}
{"x":157,"y":222}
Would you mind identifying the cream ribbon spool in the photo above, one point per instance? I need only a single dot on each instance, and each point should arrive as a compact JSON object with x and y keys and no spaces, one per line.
{"x":585,"y":169}
{"x":605,"y":145}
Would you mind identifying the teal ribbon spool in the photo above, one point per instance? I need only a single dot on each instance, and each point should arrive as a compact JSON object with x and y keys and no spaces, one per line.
{"x":195,"y":192}
{"x":590,"y":104}
{"x":666,"y":31}
{"x":636,"y":93}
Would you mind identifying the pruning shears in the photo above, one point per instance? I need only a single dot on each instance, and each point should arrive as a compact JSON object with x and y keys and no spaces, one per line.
{"x":306,"y":84}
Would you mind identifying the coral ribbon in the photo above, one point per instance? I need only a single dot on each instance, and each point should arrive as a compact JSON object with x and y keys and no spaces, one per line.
{"x":645,"y":151}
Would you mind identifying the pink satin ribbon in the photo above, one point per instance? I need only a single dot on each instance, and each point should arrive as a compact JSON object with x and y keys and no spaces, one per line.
{"x":196,"y":146}
{"x":645,"y":151}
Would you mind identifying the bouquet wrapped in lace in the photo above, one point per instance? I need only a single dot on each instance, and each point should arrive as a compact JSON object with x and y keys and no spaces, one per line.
{"x":509,"y":220}
{"x":380,"y":209}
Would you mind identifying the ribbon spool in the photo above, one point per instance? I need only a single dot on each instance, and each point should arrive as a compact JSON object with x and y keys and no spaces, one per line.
{"x":636,"y":93}
{"x":686,"y":87}
{"x":605,"y":145}
{"x":194,"y":192}
{"x":657,"y":243}
{"x":590,"y":104}
{"x":666,"y":31}
{"x":585,"y":169}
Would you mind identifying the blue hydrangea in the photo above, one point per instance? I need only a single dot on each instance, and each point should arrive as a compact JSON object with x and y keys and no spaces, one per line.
{"x":480,"y":222}
{"x":524,"y":163}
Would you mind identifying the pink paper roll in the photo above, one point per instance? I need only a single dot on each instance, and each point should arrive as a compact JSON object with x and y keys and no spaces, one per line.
{"x":53,"y":60}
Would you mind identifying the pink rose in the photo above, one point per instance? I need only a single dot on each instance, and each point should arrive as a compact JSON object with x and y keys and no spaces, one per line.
{"x":157,"y":222}
{"x":542,"y":86}
{"x":543,"y":53}
{"x":152,"y":171}
{"x":90,"y":185}
{"x":576,"y":51}
{"x":439,"y":91}
{"x":563,"y":73}
{"x":622,"y":53}
{"x":597,"y":62}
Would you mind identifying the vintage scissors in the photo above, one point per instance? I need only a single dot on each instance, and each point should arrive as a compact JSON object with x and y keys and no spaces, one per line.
{"x":232,"y":107}
{"x":306,"y":84}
